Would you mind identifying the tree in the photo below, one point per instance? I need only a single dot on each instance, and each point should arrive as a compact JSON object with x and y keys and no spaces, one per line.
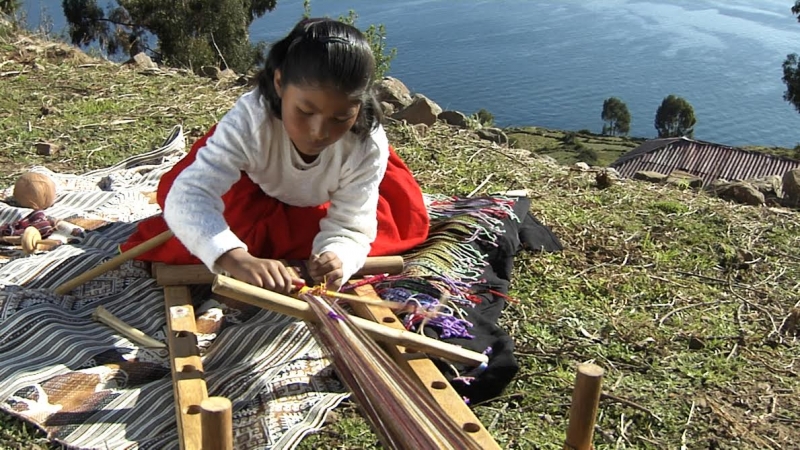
{"x":375,"y":36}
{"x":791,"y":71}
{"x":675,"y":117}
{"x":616,"y":115}
{"x":190,"y":33}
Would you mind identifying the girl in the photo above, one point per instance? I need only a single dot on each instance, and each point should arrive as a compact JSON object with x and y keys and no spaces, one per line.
{"x":299,"y":168}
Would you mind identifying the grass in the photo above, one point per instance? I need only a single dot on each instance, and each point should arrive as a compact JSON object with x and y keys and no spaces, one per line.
{"x":690,"y":303}
{"x":566,"y":146}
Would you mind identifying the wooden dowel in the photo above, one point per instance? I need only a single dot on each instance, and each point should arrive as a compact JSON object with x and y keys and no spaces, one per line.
{"x":392,"y":265}
{"x":172,"y":275}
{"x":103,"y":315}
{"x":17,"y":240}
{"x":289,"y":306}
{"x":583,"y":410}
{"x":114,"y":262}
{"x":216,"y":423}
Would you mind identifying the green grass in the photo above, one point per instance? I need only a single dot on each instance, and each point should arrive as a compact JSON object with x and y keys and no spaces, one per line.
{"x":564,"y":146}
{"x":679,"y":296}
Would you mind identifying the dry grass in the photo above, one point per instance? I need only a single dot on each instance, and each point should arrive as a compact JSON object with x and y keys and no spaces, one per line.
{"x":690,"y":303}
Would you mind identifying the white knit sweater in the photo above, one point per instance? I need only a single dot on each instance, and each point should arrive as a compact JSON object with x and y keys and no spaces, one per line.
{"x":250,"y":139}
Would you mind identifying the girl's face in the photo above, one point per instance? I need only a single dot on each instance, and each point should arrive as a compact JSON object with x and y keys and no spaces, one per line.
{"x":315,"y":117}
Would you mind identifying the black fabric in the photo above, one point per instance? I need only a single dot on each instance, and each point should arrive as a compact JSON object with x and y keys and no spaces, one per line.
{"x":526,"y":234}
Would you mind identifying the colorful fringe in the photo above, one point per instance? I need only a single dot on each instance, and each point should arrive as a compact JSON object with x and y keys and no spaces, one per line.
{"x":439,"y":274}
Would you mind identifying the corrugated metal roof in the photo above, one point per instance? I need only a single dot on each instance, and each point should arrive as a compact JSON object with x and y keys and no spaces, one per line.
{"x":705,"y":160}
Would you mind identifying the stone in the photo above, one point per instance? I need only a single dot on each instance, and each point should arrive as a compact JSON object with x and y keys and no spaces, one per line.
{"x":582,"y":166}
{"x":46,"y":148}
{"x":142,"y":61}
{"x":388,"y":108}
{"x":649,"y":175}
{"x":454,"y":118}
{"x":495,"y":135}
{"x":684,"y":179}
{"x":393,"y":91}
{"x":741,"y":192}
{"x":421,"y":110}
{"x":791,"y":186}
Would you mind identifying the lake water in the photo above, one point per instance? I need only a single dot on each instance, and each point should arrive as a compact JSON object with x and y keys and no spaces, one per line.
{"x":552,"y":63}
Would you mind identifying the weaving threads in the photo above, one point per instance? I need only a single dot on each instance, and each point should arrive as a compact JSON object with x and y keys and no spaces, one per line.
{"x":401,"y":413}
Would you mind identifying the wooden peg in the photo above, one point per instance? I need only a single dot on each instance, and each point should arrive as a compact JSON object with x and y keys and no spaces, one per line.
{"x":583,"y":410}
{"x":216,"y":423}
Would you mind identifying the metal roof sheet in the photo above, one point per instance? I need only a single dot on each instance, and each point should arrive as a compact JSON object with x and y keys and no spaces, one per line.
{"x":705,"y":160}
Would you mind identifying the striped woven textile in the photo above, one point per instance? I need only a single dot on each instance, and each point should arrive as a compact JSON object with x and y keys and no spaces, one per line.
{"x":89,"y":388}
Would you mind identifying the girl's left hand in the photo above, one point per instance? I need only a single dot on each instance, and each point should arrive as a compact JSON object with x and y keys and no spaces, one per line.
{"x":328,"y":267}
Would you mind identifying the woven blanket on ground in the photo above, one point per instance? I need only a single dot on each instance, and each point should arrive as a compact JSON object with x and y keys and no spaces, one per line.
{"x":89,"y":388}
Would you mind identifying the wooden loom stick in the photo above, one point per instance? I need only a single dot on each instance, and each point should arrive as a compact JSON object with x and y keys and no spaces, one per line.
{"x":429,"y":376}
{"x":583,"y":410}
{"x":170,"y":275}
{"x":188,"y":384}
{"x":114,"y":262}
{"x":283,"y":304}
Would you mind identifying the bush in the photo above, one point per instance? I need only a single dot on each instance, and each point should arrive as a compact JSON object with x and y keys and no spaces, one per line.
{"x":588,"y":155}
{"x":9,"y":6}
{"x":484,"y":117}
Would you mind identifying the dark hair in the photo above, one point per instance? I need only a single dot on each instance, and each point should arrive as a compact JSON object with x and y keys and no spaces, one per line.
{"x":328,"y":53}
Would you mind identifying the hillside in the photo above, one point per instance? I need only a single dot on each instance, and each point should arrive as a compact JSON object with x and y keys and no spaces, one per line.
{"x":690,"y":303}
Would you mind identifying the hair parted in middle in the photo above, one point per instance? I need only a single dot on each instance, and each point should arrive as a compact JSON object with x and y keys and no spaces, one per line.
{"x":325,"y":53}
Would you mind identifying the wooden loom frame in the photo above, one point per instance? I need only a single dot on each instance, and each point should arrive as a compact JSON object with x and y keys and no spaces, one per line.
{"x":187,"y":373}
{"x":205,"y":423}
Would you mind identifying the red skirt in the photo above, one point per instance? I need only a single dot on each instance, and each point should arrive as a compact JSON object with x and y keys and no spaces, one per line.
{"x":275,"y":230}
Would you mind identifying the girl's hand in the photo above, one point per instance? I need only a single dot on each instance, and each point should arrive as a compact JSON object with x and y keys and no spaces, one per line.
{"x":328,"y":267}
{"x":266,"y":273}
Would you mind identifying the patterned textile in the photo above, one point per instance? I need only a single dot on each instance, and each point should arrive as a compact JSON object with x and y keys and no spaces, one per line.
{"x":89,"y":388}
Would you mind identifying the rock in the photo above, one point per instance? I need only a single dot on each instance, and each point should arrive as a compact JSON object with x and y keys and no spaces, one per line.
{"x":682,"y":179}
{"x":142,"y":61}
{"x":215,"y":73}
{"x":393,"y":91}
{"x":648,"y":175}
{"x":740,"y":192}
{"x":495,"y":135}
{"x":791,"y":186}
{"x":771,"y":186}
{"x":421,"y":110}
{"x":46,"y":148}
{"x":582,"y":166}
{"x":388,"y":108}
{"x":454,"y":118}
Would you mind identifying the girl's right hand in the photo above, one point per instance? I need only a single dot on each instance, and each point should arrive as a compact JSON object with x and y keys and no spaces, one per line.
{"x":266,"y":273}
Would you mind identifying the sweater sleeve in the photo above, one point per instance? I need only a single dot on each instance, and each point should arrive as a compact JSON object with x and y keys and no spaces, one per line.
{"x":351,"y":224}
{"x":193,"y":208}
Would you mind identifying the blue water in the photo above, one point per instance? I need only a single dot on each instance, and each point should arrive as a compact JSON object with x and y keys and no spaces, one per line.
{"x":552,"y":63}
